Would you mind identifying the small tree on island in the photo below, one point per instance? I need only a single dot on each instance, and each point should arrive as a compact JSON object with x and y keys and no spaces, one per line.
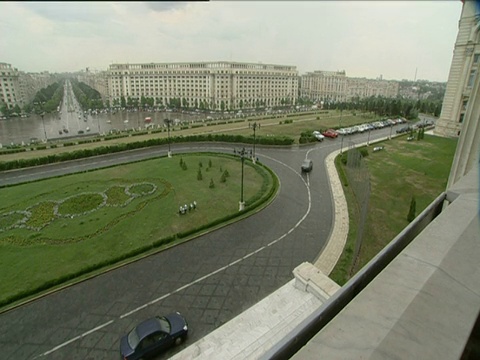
{"x":412,"y":211}
{"x":223,"y":178}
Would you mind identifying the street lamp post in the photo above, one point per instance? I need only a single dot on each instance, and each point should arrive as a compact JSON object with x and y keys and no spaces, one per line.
{"x":390,"y":137}
{"x":254,"y":126}
{"x":168,"y":121}
{"x":39,"y":110}
{"x":341,"y":145}
{"x":368,"y":140}
{"x":242,"y":154}
{"x":44,"y":130}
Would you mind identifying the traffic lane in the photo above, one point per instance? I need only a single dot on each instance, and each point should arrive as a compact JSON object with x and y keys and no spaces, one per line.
{"x":18,"y":176}
{"x":74,"y":166}
{"x":68,"y":314}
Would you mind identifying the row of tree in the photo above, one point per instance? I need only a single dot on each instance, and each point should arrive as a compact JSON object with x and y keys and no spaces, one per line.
{"x":45,"y":100}
{"x":87,"y":97}
{"x":382,"y":106}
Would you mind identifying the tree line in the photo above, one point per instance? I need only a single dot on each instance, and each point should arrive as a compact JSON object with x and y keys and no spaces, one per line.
{"x":382,"y":106}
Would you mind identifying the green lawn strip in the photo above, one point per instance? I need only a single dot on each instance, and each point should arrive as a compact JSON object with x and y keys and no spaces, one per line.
{"x":96,"y":235}
{"x":305,"y":124}
{"x":402,"y":170}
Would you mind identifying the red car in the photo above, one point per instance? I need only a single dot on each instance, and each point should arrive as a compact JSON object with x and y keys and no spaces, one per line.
{"x":330,"y":133}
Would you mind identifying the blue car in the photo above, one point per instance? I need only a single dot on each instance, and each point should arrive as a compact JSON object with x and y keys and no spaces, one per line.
{"x":154,"y":336}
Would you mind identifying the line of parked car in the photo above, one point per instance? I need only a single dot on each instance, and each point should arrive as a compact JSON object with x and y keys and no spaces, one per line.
{"x":332,"y":133}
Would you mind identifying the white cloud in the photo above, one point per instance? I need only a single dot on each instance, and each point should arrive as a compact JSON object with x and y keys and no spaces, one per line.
{"x":392,"y":38}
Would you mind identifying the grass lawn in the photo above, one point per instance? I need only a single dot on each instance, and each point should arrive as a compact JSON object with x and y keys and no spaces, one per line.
{"x":308,"y":123}
{"x":59,"y":228}
{"x":404,"y":169}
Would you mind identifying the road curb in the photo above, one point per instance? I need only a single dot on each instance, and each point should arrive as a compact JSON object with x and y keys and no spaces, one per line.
{"x":333,"y":250}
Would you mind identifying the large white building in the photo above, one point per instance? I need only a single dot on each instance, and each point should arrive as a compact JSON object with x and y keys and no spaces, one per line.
{"x":461,"y":95}
{"x":211,"y":85}
{"x":460,"y":115}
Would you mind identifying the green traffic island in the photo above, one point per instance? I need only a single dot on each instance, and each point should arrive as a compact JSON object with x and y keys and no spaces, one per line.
{"x":71,"y":227}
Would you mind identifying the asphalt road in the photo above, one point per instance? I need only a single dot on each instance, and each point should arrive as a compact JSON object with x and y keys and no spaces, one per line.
{"x":210,"y":279}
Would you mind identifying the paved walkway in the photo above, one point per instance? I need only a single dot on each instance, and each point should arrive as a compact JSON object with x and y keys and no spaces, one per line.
{"x":256,"y":330}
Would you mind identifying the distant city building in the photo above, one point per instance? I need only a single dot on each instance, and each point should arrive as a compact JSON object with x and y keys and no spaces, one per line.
{"x":19,"y":88}
{"x":9,"y":86}
{"x":461,"y":96}
{"x":363,"y":88}
{"x":326,"y":86}
{"x":31,"y":83}
{"x":96,"y":79}
{"x":335,"y":86}
{"x":211,"y":85}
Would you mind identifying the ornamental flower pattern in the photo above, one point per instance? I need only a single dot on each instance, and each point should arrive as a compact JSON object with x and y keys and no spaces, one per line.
{"x":41,"y":214}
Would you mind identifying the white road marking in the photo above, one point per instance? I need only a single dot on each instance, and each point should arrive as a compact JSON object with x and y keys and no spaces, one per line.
{"x":76,"y":338}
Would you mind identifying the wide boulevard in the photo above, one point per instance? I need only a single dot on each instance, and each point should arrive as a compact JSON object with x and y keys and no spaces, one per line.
{"x":210,"y":279}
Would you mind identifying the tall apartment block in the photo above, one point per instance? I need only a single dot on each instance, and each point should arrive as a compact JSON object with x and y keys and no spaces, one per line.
{"x":9,"y":86}
{"x":215,"y":85}
{"x":461,"y":106}
{"x":335,"y":86}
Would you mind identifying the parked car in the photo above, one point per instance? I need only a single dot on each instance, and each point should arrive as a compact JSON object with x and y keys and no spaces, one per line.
{"x":307,"y":165}
{"x":318,"y":135}
{"x":330,"y":133}
{"x":403,"y":130}
{"x":154,"y":336}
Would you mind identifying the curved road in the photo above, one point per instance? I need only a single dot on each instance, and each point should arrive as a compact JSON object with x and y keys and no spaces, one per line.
{"x":210,"y":279}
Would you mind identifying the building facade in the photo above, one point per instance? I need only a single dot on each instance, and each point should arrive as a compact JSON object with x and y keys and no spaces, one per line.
{"x":460,"y":116}
{"x":326,"y":86}
{"x":209,"y":85}
{"x":335,"y":86}
{"x":19,"y":88}
{"x":96,"y":80}
{"x":9,"y":86}
{"x":363,"y":88}
{"x":460,"y":92}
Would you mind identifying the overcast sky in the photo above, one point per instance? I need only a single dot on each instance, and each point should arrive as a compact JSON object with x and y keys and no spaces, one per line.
{"x":395,"y":39}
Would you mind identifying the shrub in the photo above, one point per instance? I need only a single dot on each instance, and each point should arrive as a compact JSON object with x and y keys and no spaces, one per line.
{"x":364,"y":151}
{"x":223,"y":178}
{"x":412,"y":210}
